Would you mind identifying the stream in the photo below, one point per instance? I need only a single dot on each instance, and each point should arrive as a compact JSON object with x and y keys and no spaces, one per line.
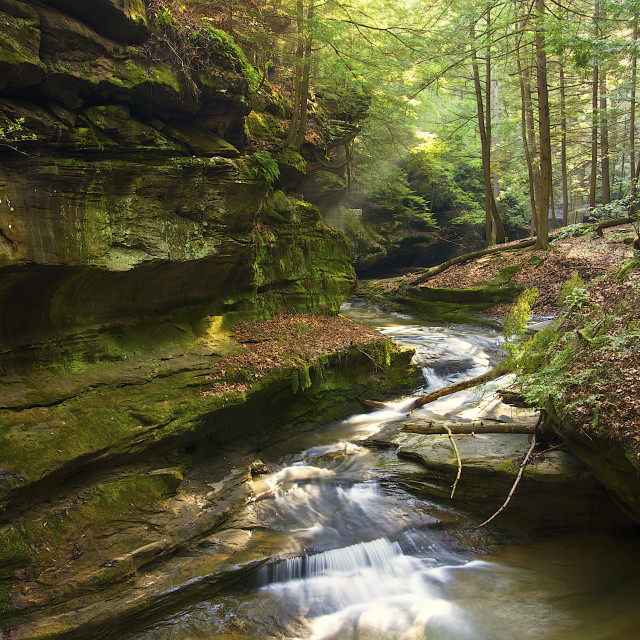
{"x":360,"y":558}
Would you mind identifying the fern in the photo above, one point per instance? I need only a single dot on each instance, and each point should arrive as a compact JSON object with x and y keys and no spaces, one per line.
{"x":262,"y":165}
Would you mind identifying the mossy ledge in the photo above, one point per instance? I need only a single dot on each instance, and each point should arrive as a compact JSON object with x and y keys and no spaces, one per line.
{"x":116,"y":458}
{"x":616,"y":467}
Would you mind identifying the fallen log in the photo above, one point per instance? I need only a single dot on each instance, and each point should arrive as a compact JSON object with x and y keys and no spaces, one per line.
{"x":434,"y":271}
{"x":498,"y":371}
{"x":466,"y":428}
{"x":613,"y":222}
{"x":373,"y":404}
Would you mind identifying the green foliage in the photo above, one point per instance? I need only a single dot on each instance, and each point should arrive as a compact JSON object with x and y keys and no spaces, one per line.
{"x":262,"y":165}
{"x":221,"y":43}
{"x":572,"y":231}
{"x":13,"y":131}
{"x":615,"y":209}
{"x":515,"y":327}
{"x":295,"y":380}
{"x":164,"y":19}
{"x":573,"y":294}
{"x":445,"y":182}
{"x":396,"y":196}
{"x":301,"y":377}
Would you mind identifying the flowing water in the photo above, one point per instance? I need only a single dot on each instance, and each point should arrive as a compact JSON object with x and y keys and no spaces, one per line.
{"x":364,"y":560}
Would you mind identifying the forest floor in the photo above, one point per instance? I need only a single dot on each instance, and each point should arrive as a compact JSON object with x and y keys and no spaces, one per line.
{"x":287,"y":339}
{"x":586,"y":255}
{"x":600,"y":382}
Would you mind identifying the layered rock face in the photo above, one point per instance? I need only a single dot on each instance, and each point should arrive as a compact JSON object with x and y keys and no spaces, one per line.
{"x":130,"y":205}
{"x":133,"y":235}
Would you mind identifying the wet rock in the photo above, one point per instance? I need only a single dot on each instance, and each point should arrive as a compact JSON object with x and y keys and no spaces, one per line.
{"x":556,"y":493}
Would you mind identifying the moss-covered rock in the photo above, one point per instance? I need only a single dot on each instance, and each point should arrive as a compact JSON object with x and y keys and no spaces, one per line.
{"x":20,"y":64}
{"x":616,"y":467}
{"x":117,"y":525}
{"x":556,"y":492}
{"x":123,"y":20}
{"x":266,"y":127}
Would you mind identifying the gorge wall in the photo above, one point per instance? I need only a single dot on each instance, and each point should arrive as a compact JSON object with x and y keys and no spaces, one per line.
{"x":136,"y":229}
{"x":133,"y":203}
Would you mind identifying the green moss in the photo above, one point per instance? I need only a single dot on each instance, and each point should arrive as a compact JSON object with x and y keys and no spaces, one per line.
{"x":487,"y":295}
{"x":265,"y":127}
{"x":291,"y":158}
{"x":138,"y":70}
{"x":305,"y":266}
{"x":224,"y":46}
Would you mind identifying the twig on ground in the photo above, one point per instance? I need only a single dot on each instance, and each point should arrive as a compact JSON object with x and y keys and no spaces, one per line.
{"x":455,"y":448}
{"x":515,"y":484}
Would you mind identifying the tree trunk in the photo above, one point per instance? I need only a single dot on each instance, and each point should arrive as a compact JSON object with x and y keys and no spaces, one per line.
{"x":306,"y":74}
{"x":434,"y":271}
{"x":544,"y":131}
{"x":495,"y":210}
{"x":532,"y":144}
{"x":563,"y":147}
{"x":486,"y":151}
{"x":302,"y":71}
{"x":632,"y":124}
{"x":484,"y":125}
{"x":467,"y":428}
{"x":498,"y":371}
{"x":604,"y":140}
{"x":594,"y":123}
{"x":292,"y":134}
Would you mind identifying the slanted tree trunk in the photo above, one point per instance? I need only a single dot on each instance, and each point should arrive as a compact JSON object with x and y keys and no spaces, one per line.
{"x":544,"y":131}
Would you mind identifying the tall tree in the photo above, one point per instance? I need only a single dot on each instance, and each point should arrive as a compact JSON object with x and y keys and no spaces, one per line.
{"x":544,"y":123}
{"x":302,"y":72}
{"x":483,"y":107}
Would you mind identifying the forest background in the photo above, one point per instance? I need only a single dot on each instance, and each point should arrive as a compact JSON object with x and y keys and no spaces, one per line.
{"x":497,"y":111}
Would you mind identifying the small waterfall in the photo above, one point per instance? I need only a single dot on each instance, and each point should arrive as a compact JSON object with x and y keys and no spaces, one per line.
{"x":433,"y":379}
{"x":378,"y":555}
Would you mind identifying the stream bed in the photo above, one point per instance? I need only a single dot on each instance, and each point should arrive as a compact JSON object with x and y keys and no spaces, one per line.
{"x":357,"y":557}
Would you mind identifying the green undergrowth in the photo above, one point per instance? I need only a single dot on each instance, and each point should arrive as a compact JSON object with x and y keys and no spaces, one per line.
{"x":571,"y":362}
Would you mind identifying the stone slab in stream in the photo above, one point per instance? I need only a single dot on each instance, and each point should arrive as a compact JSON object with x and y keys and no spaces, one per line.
{"x":556,"y":493}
